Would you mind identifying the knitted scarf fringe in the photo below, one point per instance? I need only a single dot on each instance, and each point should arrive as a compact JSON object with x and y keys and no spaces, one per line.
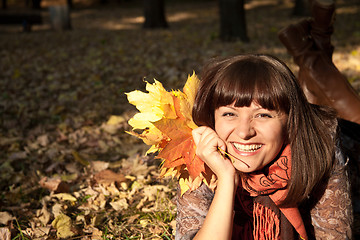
{"x":266,"y":223}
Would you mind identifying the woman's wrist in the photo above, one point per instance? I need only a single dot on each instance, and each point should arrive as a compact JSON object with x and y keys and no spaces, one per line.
{"x":227,"y":180}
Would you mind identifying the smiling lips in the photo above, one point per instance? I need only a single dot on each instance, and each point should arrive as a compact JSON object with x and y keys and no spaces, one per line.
{"x":248,"y":148}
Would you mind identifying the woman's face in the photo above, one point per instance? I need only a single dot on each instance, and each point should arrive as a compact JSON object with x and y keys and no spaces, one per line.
{"x":253,"y":134}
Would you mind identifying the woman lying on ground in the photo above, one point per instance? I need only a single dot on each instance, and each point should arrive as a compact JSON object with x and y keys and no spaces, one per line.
{"x":283,"y":176}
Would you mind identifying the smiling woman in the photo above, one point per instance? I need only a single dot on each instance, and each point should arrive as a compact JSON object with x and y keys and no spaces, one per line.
{"x":279,"y":168}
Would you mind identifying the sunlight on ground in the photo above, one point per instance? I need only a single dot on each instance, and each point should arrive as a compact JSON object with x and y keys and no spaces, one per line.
{"x":348,"y":10}
{"x":255,"y":4}
{"x":117,"y":22}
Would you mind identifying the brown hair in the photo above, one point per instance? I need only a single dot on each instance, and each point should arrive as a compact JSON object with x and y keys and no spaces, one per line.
{"x":271,"y":84}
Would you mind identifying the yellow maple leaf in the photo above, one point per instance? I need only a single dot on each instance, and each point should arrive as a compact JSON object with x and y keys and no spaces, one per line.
{"x":158,"y":102}
{"x":190,"y":90}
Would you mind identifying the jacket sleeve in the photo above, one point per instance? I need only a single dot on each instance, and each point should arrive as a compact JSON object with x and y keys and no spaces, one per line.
{"x":332,"y":216}
{"x":192,"y":208}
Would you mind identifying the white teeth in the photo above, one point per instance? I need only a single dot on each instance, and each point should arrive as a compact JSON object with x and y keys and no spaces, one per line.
{"x":247,"y":148}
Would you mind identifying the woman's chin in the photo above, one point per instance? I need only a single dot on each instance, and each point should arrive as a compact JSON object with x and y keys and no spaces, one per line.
{"x":243,"y":167}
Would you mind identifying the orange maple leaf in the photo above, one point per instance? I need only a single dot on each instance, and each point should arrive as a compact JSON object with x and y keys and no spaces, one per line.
{"x":181,"y":148}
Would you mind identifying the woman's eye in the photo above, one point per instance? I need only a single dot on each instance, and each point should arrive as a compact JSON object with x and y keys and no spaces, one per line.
{"x":263,"y":115}
{"x":228,"y":114}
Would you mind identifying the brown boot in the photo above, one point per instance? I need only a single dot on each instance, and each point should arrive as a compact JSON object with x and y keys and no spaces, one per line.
{"x":323,"y":14}
{"x":297,"y":40}
{"x":324,"y":84}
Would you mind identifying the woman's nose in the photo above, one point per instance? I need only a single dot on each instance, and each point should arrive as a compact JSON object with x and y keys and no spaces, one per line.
{"x":245,"y":129}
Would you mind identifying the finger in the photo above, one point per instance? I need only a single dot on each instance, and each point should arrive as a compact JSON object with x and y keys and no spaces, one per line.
{"x":197,"y":134}
{"x":222,"y":145}
{"x":211,"y":138}
{"x":207,"y":139}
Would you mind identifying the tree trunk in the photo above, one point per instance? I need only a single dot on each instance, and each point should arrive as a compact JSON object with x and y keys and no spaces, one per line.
{"x":4,"y":4}
{"x":70,"y":4}
{"x":154,"y":12}
{"x":60,"y":17}
{"x":36,"y":4}
{"x":232,"y":20}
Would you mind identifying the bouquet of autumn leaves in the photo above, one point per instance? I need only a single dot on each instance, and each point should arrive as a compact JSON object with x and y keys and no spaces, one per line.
{"x":166,"y":123}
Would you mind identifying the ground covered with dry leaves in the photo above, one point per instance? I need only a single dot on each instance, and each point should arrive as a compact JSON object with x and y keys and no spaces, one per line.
{"x":67,"y":167}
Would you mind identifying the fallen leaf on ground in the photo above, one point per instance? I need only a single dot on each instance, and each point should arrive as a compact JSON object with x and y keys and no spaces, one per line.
{"x":5,"y":233}
{"x":63,"y":226}
{"x":120,"y":204}
{"x":54,"y":184}
{"x":5,"y":217}
{"x":107,"y":177}
{"x":65,"y":197}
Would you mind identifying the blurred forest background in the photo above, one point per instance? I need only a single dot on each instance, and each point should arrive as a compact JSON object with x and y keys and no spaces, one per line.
{"x":67,"y":167}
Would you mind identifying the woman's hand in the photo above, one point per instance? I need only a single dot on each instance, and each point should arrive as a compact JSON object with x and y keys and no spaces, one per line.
{"x":207,"y":143}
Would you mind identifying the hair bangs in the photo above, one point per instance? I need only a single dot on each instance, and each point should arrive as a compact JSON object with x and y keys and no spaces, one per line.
{"x":232,"y":90}
{"x":253,"y":81}
{"x":270,"y":97}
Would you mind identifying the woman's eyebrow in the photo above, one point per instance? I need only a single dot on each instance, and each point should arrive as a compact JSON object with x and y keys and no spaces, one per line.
{"x":229,"y":106}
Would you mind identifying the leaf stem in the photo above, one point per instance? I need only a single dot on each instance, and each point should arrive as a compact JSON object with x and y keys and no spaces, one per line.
{"x":230,"y":156}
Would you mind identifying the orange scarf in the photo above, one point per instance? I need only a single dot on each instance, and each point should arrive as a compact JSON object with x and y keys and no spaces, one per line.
{"x":273,"y":184}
